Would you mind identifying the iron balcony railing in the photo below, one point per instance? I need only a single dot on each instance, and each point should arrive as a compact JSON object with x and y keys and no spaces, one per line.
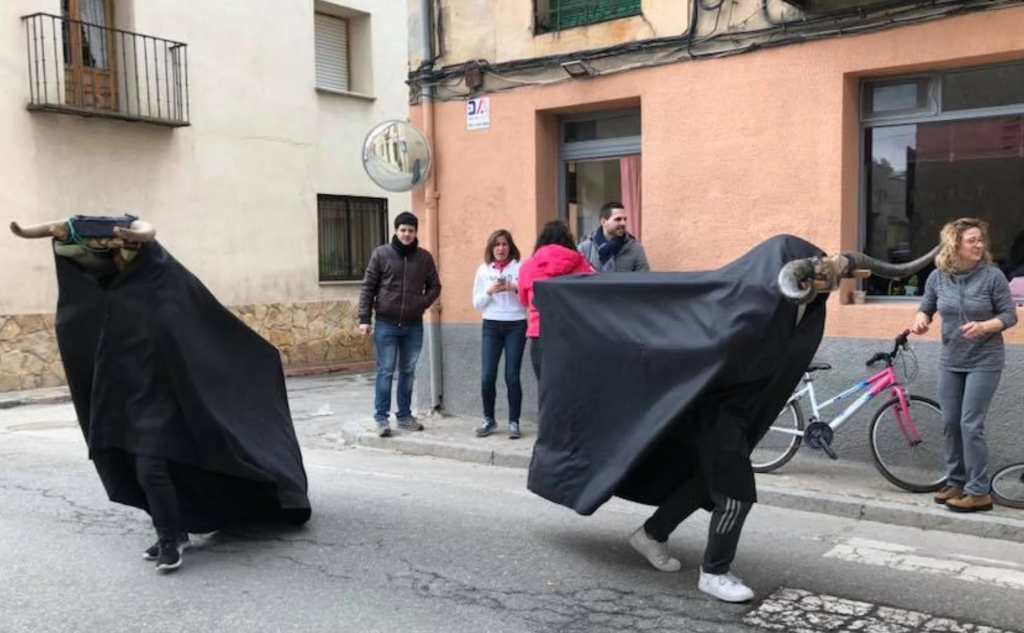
{"x":558,"y":15}
{"x":77,"y":67}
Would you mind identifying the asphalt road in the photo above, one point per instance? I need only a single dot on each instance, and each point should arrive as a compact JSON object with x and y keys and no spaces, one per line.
{"x":400,"y":543}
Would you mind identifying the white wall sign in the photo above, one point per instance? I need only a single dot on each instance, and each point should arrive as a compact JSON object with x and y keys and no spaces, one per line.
{"x":478,"y":113}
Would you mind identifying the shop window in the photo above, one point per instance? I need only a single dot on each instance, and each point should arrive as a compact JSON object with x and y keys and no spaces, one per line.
{"x":936,"y":148}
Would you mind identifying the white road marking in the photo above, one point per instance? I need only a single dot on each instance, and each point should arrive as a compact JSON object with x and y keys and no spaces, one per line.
{"x":799,"y":611}
{"x":904,"y":558}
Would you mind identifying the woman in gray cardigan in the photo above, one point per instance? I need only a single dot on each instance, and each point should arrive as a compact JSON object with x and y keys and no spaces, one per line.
{"x":973,"y":299}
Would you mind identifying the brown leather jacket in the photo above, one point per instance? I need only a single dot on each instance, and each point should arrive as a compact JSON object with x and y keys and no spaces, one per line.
{"x":397,"y":286}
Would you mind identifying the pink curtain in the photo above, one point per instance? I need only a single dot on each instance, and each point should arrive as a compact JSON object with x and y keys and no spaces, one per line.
{"x":630,"y":168}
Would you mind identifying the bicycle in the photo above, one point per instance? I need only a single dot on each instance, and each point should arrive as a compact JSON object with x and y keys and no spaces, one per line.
{"x":892,"y":428}
{"x":1008,"y":486}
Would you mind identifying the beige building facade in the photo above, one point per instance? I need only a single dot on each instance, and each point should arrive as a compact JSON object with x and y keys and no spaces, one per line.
{"x":235,"y":127}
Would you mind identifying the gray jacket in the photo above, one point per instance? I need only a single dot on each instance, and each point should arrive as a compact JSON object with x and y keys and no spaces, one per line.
{"x":978,"y":295}
{"x":630,"y":258}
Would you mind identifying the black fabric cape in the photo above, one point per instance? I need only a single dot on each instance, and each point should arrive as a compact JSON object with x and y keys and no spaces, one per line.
{"x":651,"y":379}
{"x":158,"y":367}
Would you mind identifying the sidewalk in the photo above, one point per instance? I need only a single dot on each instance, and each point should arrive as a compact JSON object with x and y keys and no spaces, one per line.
{"x":337,"y":409}
{"x":809,"y":483}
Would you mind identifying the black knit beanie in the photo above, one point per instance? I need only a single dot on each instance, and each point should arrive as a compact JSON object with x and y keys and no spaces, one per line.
{"x":406,"y":218}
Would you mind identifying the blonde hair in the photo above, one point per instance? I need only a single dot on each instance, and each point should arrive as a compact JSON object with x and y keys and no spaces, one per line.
{"x":948,"y":261}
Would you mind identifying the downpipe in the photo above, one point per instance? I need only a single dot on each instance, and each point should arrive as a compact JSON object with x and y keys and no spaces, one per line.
{"x":433,"y":329}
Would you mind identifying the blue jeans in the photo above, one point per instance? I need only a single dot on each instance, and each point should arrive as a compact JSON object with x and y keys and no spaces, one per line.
{"x":395,"y":347}
{"x":510,"y":337}
{"x":965,"y":398}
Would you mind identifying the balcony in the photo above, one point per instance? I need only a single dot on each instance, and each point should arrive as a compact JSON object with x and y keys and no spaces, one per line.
{"x":90,"y":70}
{"x":558,"y":15}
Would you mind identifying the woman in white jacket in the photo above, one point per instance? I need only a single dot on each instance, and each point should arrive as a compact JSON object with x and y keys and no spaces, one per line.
{"x":495,"y":292}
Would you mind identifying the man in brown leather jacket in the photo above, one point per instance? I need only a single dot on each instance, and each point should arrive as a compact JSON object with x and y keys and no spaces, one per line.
{"x":400,"y":283}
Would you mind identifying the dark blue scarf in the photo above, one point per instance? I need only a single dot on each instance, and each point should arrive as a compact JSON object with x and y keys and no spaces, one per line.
{"x":607,"y":249}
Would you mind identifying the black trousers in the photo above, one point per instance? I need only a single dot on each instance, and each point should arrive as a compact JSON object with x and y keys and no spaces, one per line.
{"x":727,"y":520}
{"x":155,"y":480}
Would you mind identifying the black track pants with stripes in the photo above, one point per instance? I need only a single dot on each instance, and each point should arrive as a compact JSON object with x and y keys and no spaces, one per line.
{"x":723,"y":533}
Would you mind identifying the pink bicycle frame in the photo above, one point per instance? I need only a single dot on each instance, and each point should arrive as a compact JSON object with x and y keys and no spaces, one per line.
{"x":876,"y":384}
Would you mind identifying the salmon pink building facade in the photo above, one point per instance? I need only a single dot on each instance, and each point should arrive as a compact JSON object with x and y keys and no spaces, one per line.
{"x":857,"y":125}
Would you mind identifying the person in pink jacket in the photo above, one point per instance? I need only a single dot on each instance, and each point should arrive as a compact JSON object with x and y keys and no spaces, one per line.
{"x":554,"y":255}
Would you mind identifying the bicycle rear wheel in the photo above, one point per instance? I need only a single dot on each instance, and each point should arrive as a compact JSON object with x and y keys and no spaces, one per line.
{"x":917,"y":466}
{"x":780,"y":443}
{"x":1008,"y":486}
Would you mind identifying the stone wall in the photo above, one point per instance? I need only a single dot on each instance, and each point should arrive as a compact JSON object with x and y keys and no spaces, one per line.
{"x":315,"y":333}
{"x":310,"y":334}
{"x":28,"y":353}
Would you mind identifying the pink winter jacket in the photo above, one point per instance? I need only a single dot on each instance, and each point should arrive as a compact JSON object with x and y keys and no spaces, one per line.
{"x":549,"y":261}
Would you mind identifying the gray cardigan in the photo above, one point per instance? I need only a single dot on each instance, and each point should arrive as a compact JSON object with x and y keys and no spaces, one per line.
{"x":977,"y":295}
{"x":630,"y":258}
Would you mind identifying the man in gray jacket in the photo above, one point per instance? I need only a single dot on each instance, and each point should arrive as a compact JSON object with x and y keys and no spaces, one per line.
{"x":611,"y":248}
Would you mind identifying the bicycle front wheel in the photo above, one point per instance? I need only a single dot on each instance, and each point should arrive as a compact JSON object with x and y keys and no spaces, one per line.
{"x":781,"y":442}
{"x":910,"y":453}
{"x":1008,"y":486}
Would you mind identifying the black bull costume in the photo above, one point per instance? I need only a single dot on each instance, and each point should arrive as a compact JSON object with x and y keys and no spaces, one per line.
{"x":157,"y":367}
{"x":652,"y":379}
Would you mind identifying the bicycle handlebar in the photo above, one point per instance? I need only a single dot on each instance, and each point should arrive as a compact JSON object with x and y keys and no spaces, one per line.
{"x":880,"y":356}
{"x":901,"y":341}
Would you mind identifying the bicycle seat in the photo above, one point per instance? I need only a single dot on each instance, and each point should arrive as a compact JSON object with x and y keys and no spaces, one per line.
{"x":813,"y":367}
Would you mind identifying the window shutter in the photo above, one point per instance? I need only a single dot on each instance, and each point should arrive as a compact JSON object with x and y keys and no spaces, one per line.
{"x":331,"y":52}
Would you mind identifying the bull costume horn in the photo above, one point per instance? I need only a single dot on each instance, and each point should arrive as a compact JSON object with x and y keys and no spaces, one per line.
{"x":801,"y":280}
{"x":138,"y":232}
{"x":56,"y":229}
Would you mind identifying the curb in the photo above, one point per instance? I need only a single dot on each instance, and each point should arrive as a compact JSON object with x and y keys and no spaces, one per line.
{"x":980,"y":525}
{"x":335,"y":368}
{"x":10,"y":400}
{"x":399,"y":443}
{"x":22,"y":401}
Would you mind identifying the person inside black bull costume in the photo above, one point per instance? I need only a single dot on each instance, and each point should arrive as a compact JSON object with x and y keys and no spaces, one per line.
{"x":183,"y":406}
{"x":702,"y":363}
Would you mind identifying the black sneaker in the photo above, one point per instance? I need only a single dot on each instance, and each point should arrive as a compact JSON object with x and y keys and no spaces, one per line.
{"x":153,"y":551}
{"x":486,"y":428}
{"x":383,"y":430}
{"x":412,"y":424}
{"x":513,"y":431}
{"x":169,"y":557}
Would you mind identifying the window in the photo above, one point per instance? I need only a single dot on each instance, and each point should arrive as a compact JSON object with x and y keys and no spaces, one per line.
{"x":558,"y":15}
{"x":89,"y":54}
{"x":599,"y":154}
{"x":332,"y":63}
{"x":348,"y":229}
{"x":939,"y":147}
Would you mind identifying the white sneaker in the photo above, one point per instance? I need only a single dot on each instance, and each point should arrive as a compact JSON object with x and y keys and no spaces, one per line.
{"x":656,"y":553}
{"x":725,"y":587}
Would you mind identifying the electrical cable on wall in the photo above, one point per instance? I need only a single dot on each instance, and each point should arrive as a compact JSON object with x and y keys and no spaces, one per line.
{"x":688,"y":46}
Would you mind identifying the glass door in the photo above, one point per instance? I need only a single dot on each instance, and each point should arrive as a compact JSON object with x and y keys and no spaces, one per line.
{"x":599,"y":163}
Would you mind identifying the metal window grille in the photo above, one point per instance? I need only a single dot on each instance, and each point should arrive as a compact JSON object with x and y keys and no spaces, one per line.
{"x":566,"y":14}
{"x":349,"y":228}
